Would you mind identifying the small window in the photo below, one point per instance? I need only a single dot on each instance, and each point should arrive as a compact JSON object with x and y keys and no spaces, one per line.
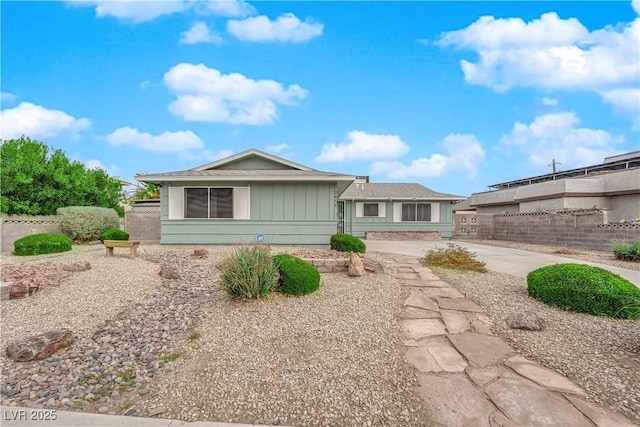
{"x":463,"y":220}
{"x":370,"y":209}
{"x":474,"y":230}
{"x":463,"y":230}
{"x":474,"y":220}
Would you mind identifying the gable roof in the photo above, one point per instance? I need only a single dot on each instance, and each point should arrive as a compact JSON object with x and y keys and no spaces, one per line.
{"x":214,"y":171}
{"x":250,"y":153}
{"x":360,"y":191}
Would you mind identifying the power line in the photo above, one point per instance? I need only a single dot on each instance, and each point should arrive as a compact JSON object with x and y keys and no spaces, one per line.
{"x":553,"y":165}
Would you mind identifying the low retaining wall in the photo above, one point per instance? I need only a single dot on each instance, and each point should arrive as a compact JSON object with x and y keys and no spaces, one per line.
{"x":582,"y":228}
{"x":403,"y":235}
{"x":328,"y":265}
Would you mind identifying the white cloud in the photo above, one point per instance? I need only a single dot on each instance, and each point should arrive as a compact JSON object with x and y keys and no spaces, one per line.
{"x":97,"y":164}
{"x":135,"y":10}
{"x":626,"y":100}
{"x":199,"y":33}
{"x":146,"y":84}
{"x":286,"y":28}
{"x":557,"y":136}
{"x":635,"y":4}
{"x":206,"y":95}
{"x":226,"y":8}
{"x":549,"y":102}
{"x":549,"y":53}
{"x":364,"y":146}
{"x":38,"y":122}
{"x":463,"y":153}
{"x":7,"y":97}
{"x":275,"y":149}
{"x":166,"y":142}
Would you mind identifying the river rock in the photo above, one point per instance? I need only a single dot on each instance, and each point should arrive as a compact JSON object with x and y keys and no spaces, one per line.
{"x":40,"y":346}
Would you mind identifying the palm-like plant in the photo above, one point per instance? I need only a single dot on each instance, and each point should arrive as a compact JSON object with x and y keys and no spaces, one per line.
{"x":146,"y":191}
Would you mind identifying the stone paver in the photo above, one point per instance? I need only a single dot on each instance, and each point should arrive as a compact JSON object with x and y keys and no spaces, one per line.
{"x":447,"y":358}
{"x":419,"y":300}
{"x":422,"y":360}
{"x":528,"y":404}
{"x":455,"y":321}
{"x":469,"y":377}
{"x":419,"y":328}
{"x":481,"y":350}
{"x":598,"y":415}
{"x":460,"y":304}
{"x":543,"y":376}
{"x":443,"y":292}
{"x":419,"y":313}
{"x":452,"y":400}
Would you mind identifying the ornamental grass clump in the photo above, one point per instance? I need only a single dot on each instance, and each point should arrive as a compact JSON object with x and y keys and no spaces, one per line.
{"x":44,"y":243}
{"x":297,"y":277}
{"x":347,"y":243}
{"x":627,"y":251}
{"x":249,"y":272}
{"x":454,"y":257}
{"x":585,"y":289}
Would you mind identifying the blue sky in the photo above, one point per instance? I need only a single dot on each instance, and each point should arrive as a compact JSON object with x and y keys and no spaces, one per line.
{"x":453,"y":95}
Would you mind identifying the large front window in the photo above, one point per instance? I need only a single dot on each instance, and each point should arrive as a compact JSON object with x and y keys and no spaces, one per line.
{"x":416,"y":212}
{"x":208,"y":203}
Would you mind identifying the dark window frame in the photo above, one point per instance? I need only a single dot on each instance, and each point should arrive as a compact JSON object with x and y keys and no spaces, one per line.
{"x":218,"y":204}
{"x":416,"y":212}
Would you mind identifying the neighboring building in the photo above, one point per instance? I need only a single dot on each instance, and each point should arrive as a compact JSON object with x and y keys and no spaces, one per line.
{"x":387,"y":207}
{"x":236,"y":199}
{"x":250,"y":194}
{"x":613,"y":185}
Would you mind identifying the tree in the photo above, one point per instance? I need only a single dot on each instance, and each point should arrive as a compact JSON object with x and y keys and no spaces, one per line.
{"x":146,"y":191}
{"x":34,"y":182}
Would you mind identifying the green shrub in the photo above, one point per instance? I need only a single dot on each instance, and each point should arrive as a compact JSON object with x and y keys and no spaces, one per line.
{"x":296,"y":276}
{"x":627,"y":251}
{"x":44,"y":243}
{"x":86,"y":223}
{"x":249,"y":272}
{"x":347,"y":243}
{"x":585,"y":289}
{"x":454,"y":257}
{"x":114,"y":234}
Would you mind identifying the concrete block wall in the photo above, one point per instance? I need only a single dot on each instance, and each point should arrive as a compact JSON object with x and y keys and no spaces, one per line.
{"x":582,"y":229}
{"x":15,"y":227}
{"x":143,"y":225}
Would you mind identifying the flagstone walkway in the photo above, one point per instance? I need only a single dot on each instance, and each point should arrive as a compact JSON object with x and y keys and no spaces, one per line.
{"x":469,"y":377}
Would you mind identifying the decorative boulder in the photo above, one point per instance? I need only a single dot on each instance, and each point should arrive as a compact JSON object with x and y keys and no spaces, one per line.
{"x":356,"y":267}
{"x":168,"y":273}
{"x":77,"y":266}
{"x":40,"y":346}
{"x":526,"y":320}
{"x":201,"y":253}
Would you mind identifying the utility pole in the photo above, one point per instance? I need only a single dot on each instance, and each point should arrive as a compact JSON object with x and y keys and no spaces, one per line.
{"x":553,"y":164}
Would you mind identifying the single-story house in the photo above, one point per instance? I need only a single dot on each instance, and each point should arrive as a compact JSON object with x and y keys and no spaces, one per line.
{"x":382,"y":207}
{"x":254,"y":195}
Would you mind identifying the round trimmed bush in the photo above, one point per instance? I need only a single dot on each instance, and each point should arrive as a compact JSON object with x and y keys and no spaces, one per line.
{"x":44,"y":243}
{"x":347,"y":243}
{"x":585,"y":289}
{"x":86,"y":223}
{"x":296,"y":276}
{"x":114,"y":234}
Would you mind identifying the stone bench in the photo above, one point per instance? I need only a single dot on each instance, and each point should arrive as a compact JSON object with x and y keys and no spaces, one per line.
{"x":131,"y":244}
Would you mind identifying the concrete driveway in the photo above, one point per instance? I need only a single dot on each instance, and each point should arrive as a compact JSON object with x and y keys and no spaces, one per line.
{"x":504,"y":260}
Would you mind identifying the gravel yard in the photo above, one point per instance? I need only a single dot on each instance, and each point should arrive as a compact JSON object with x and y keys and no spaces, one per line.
{"x":334,"y":357}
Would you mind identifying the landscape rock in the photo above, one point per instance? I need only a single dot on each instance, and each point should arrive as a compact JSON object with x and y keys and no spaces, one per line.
{"x":18,"y":290}
{"x":201,"y":253}
{"x":40,"y":346}
{"x":527,"y":320}
{"x":169,"y":273}
{"x":77,"y":266}
{"x":356,"y":267}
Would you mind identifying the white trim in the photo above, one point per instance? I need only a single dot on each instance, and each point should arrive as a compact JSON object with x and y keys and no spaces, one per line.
{"x":251,"y":152}
{"x":176,"y":202}
{"x":359,"y":210}
{"x":397,"y":212}
{"x":435,"y":212}
{"x":205,"y":178}
{"x":241,"y":203}
{"x":382,"y":209}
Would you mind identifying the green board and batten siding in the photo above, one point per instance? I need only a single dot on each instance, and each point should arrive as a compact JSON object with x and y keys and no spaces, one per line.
{"x":284,"y":213}
{"x":358,"y":226}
